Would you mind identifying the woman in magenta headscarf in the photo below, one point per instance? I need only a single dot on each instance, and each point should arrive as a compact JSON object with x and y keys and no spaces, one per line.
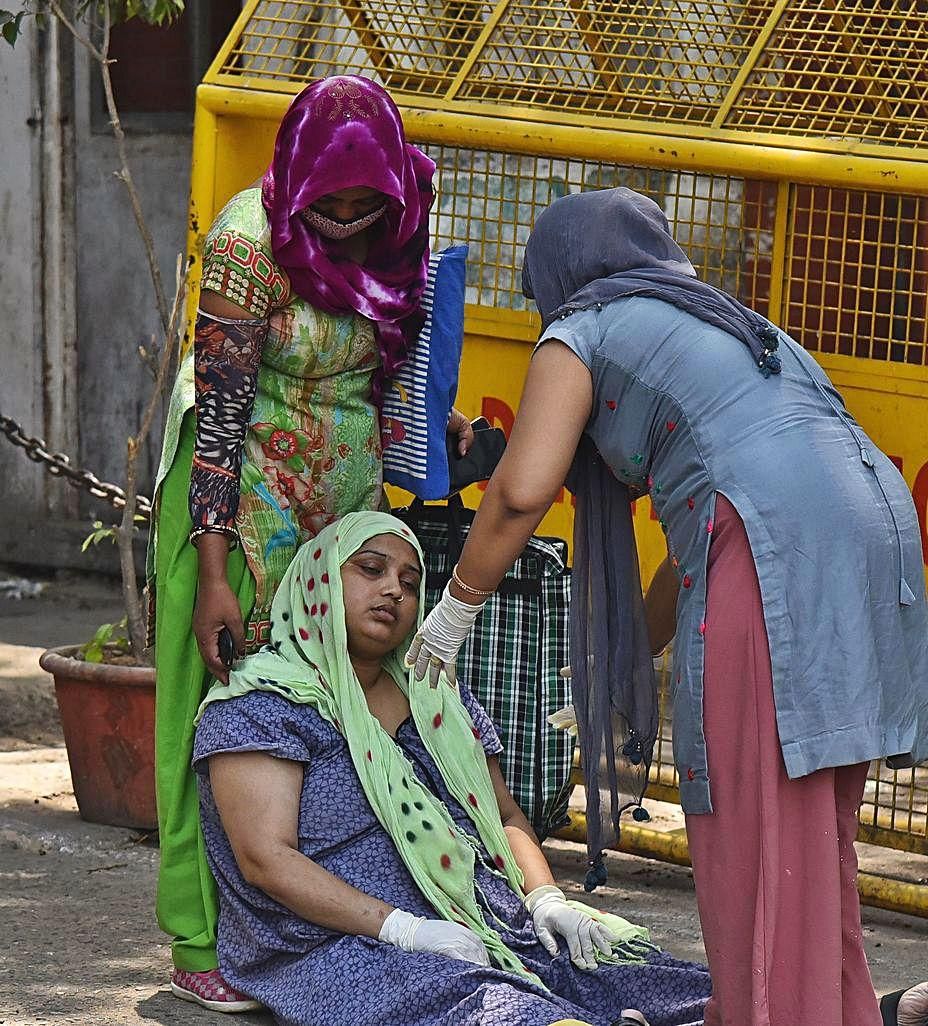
{"x":310,"y":301}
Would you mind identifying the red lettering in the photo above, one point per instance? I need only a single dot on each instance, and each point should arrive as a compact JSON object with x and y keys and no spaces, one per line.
{"x":498,"y":413}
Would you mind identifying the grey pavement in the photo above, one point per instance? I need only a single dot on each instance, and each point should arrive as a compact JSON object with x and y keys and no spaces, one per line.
{"x":78,"y":940}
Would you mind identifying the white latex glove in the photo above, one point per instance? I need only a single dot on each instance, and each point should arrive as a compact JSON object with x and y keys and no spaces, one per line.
{"x":415,"y":933}
{"x":438,"y":641}
{"x":553,"y":917}
{"x":913,"y":1006}
{"x":565,"y":719}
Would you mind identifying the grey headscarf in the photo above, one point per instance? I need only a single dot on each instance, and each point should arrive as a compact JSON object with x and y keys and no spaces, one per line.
{"x":612,"y":676}
{"x":593,"y":248}
{"x":590,"y":249}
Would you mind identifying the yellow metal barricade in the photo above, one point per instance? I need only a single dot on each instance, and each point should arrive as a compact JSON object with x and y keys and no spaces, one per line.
{"x":786,"y":140}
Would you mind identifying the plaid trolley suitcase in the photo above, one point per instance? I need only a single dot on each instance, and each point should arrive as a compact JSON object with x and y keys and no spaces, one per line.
{"x":512,"y":657}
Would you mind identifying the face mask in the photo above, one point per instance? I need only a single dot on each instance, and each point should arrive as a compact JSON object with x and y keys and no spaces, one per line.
{"x":331,"y":229}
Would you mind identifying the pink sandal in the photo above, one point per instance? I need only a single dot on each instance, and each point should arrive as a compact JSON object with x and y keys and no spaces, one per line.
{"x":211,"y":991}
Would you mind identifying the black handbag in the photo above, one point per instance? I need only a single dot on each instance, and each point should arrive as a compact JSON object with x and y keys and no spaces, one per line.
{"x":512,"y":657}
{"x":481,"y":459}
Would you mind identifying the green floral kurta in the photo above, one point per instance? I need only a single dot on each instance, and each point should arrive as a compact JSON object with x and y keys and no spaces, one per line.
{"x":312,"y":451}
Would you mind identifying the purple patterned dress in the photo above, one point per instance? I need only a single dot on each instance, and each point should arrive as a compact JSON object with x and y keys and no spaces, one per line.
{"x":311,"y":976}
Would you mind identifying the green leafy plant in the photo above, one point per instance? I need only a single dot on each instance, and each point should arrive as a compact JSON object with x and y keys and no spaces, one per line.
{"x":109,"y":637}
{"x":11,"y":25}
{"x":153,"y":12}
{"x":102,"y":532}
{"x":99,"y":533}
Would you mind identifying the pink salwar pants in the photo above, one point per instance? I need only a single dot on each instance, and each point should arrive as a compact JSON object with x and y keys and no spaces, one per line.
{"x":774,"y":864}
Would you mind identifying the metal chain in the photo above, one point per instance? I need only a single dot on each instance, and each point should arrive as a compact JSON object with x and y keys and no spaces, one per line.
{"x":59,"y":465}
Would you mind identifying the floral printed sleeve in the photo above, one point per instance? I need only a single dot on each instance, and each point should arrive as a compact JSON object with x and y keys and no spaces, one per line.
{"x":226,"y":358}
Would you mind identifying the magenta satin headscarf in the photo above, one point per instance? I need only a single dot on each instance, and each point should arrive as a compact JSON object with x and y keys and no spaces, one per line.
{"x":340,"y":133}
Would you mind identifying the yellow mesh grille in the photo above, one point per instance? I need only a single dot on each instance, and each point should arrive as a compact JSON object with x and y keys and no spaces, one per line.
{"x":490,"y":201}
{"x":854,"y":69}
{"x":634,"y":58}
{"x":857,"y":273}
{"x":407,"y":45}
{"x":854,"y":267}
{"x":897,"y":801}
{"x":810,"y":68}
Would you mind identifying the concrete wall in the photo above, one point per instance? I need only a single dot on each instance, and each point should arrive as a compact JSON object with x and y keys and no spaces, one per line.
{"x":21,"y":484}
{"x":115,"y":299}
{"x":85,"y":391}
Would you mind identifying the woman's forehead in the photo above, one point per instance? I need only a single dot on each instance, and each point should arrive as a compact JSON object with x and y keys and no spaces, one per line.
{"x":393,"y":547}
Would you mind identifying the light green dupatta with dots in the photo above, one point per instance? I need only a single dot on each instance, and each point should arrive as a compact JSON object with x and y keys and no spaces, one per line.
{"x":307,"y":662}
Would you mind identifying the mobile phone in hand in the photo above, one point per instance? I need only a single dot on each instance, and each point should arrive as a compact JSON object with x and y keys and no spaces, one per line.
{"x":226,"y":647}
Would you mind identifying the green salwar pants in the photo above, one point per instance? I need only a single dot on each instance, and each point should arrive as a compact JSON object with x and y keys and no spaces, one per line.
{"x":187,"y":905}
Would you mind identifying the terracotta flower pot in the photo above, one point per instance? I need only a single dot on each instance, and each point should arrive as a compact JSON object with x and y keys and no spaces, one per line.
{"x":108,"y":719}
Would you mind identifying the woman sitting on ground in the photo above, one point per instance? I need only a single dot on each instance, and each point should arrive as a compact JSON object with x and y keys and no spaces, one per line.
{"x":372,"y":866}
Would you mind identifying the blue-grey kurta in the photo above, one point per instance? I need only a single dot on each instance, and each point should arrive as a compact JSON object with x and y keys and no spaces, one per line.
{"x":310,"y":976}
{"x":681,"y":411}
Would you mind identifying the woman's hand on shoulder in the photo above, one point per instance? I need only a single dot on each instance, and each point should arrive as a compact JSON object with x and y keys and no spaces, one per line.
{"x":436,"y":644}
{"x":459,"y":425}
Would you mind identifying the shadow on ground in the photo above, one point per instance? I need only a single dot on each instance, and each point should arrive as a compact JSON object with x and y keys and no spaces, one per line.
{"x":163,"y":1008}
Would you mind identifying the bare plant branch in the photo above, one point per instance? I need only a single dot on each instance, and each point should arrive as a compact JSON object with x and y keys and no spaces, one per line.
{"x":149,"y":356}
{"x":83,"y":40}
{"x":125,"y":532}
{"x":171,"y":343}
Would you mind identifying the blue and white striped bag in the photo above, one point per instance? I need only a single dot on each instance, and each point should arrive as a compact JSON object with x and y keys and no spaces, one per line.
{"x":418,"y":400}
